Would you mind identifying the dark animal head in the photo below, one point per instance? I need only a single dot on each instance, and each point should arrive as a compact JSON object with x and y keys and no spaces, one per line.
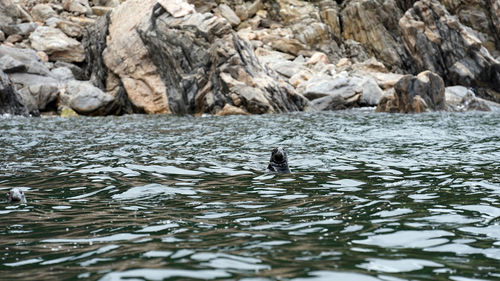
{"x":279,"y":161}
{"x":16,"y":195}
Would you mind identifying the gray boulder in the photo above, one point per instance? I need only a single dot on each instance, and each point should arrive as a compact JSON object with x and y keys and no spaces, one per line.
{"x":41,"y":96}
{"x":9,"y":64}
{"x":86,"y":99}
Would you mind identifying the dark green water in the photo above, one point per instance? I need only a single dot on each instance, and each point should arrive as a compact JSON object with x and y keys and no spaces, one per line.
{"x":372,"y":197}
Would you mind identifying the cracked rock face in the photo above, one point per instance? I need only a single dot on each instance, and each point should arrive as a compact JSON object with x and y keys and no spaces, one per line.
{"x":204,"y":65}
{"x":438,"y":42}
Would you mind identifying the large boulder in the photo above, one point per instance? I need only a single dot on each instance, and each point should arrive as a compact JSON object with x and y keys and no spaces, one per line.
{"x":86,"y":99}
{"x":57,"y":44}
{"x":438,"y":42}
{"x":460,"y":98}
{"x":206,"y":65}
{"x":10,"y":100}
{"x":416,"y":94}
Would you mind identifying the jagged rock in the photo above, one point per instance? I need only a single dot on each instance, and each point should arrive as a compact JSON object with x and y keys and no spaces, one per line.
{"x":10,"y":100}
{"x":127,"y":57}
{"x":437,"y":41}
{"x":415,"y":94}
{"x":42,"y":12}
{"x":205,"y":66}
{"x":373,"y":23}
{"x":57,"y":45}
{"x":81,"y":7}
{"x":8,"y":12}
{"x":228,"y":13}
{"x":86,"y":99}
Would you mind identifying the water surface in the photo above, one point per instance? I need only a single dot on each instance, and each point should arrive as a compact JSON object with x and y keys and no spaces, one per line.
{"x":371,"y":197}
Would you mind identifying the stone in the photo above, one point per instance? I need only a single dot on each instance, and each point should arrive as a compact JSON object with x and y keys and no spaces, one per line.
{"x":177,"y":8}
{"x":57,"y":44}
{"x":461,"y":98}
{"x":41,"y":95}
{"x":10,"y":100}
{"x":127,"y":57}
{"x":416,"y":94}
{"x":70,"y":28}
{"x":28,"y":57}
{"x":318,"y":57}
{"x":14,"y":38}
{"x":229,"y":109}
{"x":9,"y":64}
{"x":101,"y":10}
{"x":22,"y":29}
{"x":86,"y":99}
{"x":42,"y":12}
{"x":66,"y":112}
{"x":2,"y":36}
{"x":228,"y":13}
{"x":80,"y":7}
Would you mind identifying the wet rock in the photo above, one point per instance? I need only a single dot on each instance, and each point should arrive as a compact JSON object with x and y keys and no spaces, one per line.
{"x":205,"y":65}
{"x":415,"y":94}
{"x":42,"y":12}
{"x":429,"y":29}
{"x":10,"y":100}
{"x":57,"y":45}
{"x":85,"y":98}
{"x":80,"y":7}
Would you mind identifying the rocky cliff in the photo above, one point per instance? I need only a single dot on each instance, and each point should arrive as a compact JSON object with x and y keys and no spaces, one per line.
{"x":101,"y":57}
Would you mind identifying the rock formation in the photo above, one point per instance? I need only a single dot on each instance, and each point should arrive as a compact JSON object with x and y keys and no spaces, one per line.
{"x":248,"y":56}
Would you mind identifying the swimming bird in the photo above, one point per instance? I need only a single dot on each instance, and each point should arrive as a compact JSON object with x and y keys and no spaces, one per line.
{"x":16,"y":195}
{"x":278,"y":162}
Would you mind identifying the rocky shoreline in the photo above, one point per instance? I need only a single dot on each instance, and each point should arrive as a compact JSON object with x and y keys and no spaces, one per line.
{"x":113,"y":57}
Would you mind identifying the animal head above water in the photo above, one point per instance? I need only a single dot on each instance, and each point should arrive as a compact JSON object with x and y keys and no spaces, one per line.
{"x":279,"y":161}
{"x":16,"y":195}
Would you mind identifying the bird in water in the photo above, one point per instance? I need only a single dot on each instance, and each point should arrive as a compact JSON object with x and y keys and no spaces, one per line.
{"x":16,"y":195}
{"x":278,"y":162}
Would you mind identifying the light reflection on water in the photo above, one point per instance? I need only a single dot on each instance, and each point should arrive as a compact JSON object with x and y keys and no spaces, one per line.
{"x":372,"y":197}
